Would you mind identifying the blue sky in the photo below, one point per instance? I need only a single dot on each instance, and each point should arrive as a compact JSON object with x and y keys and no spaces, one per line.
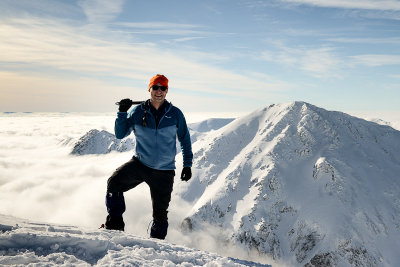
{"x":220,"y":56}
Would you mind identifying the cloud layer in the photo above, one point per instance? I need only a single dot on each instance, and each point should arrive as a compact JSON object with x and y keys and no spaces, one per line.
{"x":41,"y":181}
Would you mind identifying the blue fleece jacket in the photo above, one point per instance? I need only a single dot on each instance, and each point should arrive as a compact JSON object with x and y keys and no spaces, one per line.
{"x":156,"y":146}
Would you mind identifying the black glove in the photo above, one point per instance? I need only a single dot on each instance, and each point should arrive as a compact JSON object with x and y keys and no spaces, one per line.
{"x":186,"y":174}
{"x":125,"y":104}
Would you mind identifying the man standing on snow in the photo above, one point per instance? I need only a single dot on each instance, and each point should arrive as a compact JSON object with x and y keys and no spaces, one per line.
{"x":156,"y":123}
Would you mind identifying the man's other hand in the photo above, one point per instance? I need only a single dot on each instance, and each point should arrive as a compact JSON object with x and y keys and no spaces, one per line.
{"x":186,"y":174}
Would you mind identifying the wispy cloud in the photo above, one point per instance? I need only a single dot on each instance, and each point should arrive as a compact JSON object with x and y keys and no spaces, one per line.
{"x":72,"y":51}
{"x":351,"y":4}
{"x":321,"y":62}
{"x":376,"y":60}
{"x":324,"y":62}
{"x":185,"y":39}
{"x":167,"y":28}
{"x":157,"y":25}
{"x":100,"y":11}
{"x":378,"y":41}
{"x":39,"y":7}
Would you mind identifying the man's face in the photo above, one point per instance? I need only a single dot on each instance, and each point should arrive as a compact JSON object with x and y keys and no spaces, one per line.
{"x":157,"y":95}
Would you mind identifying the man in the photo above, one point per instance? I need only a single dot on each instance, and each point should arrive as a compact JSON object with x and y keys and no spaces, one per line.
{"x":156,"y":123}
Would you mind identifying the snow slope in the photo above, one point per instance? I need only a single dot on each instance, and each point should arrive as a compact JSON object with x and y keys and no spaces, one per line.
{"x":23,"y":242}
{"x":101,"y":142}
{"x":302,"y":184}
{"x":209,"y":124}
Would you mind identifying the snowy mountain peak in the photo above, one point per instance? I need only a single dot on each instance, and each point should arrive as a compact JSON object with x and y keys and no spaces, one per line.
{"x":303,"y":184}
{"x":101,"y":142}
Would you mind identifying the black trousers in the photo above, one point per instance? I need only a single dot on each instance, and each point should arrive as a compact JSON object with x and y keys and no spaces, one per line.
{"x":134,"y":173}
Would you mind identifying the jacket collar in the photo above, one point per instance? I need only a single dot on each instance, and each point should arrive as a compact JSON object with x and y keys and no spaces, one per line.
{"x":146,"y":105}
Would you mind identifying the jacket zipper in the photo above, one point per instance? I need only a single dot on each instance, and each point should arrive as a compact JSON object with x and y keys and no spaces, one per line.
{"x":157,"y":126}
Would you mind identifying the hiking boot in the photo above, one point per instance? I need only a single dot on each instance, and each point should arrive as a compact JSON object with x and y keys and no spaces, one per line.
{"x":159,"y":230}
{"x":114,"y":223}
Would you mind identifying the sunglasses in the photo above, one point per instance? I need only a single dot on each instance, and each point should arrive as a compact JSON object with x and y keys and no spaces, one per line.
{"x":156,"y":87}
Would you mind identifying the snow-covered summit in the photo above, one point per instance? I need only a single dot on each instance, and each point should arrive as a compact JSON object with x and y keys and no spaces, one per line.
{"x":303,"y":184}
{"x":40,"y":244}
{"x":101,"y":142}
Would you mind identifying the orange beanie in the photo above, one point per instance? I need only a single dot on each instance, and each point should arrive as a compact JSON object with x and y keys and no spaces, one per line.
{"x":158,"y":80}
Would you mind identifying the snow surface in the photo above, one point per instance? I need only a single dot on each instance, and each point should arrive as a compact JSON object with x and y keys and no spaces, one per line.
{"x":209,"y":124}
{"x":41,"y":244}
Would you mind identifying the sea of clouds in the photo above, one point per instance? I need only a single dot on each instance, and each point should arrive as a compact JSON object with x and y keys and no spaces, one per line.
{"x":40,"y":180}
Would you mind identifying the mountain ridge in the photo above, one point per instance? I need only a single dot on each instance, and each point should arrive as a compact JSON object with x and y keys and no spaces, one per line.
{"x":296,"y":182}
